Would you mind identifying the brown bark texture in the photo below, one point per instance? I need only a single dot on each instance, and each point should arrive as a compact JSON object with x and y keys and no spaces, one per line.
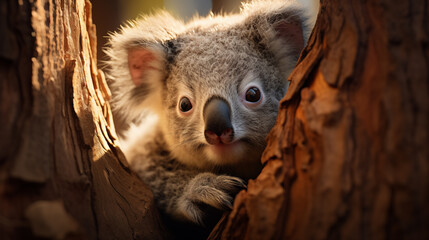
{"x":348,"y":157}
{"x":62,"y":175}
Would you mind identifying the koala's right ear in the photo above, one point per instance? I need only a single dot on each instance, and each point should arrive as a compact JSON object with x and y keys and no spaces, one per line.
{"x":282,"y":27}
{"x":137,"y":64}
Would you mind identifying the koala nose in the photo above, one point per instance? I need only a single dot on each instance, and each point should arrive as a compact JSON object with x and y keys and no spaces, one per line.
{"x":217,"y":119}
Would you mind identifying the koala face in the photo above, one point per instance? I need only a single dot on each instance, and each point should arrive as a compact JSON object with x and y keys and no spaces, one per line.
{"x":215,"y":83}
{"x":221,"y":99}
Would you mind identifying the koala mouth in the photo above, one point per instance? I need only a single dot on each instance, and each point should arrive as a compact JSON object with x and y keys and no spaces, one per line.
{"x":227,"y":152}
{"x":238,"y":151}
{"x":223,"y":147}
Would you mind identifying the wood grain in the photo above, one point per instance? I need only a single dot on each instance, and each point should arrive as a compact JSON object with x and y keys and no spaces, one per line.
{"x":62,"y":174}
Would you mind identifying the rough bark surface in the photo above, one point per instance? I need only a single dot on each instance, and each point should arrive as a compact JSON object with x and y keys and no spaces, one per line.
{"x":349,"y":156}
{"x":62,"y":174}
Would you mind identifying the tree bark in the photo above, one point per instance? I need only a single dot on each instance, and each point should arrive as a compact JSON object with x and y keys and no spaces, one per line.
{"x":348,"y":157}
{"x":62,"y":174}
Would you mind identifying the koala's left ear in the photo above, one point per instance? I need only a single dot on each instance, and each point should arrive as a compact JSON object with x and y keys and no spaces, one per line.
{"x":138,"y":64}
{"x":136,"y":76}
{"x":146,"y":65}
{"x":281,"y":27}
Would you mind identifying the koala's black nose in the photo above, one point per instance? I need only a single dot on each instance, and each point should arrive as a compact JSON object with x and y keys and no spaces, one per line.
{"x":217,"y":118}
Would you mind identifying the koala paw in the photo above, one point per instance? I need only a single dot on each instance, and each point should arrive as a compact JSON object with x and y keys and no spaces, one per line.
{"x":208,"y":190}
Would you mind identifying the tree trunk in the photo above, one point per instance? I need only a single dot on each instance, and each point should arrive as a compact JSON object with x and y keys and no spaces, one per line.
{"x":349,"y":156}
{"x":62,"y":174}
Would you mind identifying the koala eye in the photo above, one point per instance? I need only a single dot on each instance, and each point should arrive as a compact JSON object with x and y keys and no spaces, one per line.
{"x":185,"y":104}
{"x":253,"y":94}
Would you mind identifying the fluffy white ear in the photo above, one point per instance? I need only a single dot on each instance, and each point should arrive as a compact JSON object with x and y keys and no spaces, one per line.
{"x":144,"y":64}
{"x":280,"y":27}
{"x":136,"y":77}
{"x":290,"y":32}
{"x":138,"y":64}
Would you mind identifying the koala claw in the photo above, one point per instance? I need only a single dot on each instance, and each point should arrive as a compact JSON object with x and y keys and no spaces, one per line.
{"x":211,"y":190}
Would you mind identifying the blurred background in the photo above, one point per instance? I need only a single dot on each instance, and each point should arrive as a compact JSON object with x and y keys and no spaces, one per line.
{"x":108,"y":15}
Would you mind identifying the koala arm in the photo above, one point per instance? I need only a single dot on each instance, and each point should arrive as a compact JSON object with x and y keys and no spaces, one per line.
{"x":180,"y":191}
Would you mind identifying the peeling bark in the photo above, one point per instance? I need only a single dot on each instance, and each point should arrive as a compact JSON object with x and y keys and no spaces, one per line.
{"x":62,"y":174}
{"x":348,"y":156}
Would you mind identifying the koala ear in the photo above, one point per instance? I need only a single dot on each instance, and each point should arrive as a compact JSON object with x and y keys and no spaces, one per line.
{"x":137,"y":64}
{"x":280,"y":27}
{"x":143,"y":64}
{"x":289,"y":31}
{"x":136,"y":77}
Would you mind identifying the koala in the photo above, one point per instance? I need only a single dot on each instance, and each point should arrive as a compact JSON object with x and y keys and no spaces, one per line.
{"x":200,"y":98}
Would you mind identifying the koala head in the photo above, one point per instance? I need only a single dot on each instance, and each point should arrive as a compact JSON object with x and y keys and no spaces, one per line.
{"x":215,"y":83}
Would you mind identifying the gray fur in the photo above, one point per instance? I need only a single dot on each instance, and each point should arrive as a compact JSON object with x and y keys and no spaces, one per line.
{"x":217,"y":56}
